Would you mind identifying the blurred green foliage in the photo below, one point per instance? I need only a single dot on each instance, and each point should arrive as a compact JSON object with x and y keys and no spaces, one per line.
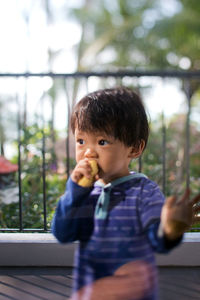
{"x":32,"y":183}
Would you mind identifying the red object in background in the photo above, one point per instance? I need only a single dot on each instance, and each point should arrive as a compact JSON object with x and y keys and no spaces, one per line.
{"x":6,"y":166}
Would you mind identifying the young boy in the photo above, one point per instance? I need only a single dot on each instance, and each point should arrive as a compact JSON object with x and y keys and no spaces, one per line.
{"x":120,"y":220}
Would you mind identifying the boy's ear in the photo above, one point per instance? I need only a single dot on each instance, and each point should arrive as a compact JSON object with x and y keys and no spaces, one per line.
{"x":137,"y":151}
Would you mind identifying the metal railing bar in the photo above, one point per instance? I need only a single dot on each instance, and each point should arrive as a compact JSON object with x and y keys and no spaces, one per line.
{"x":140,"y":157}
{"x":140,"y":164}
{"x":123,"y":73}
{"x":68,"y":130}
{"x":188,"y":94}
{"x":44,"y":180}
{"x":43,"y":150}
{"x":163,"y":154}
{"x":19,"y":165}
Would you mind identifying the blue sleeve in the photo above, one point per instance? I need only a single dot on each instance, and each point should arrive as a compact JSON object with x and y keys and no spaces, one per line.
{"x":160,"y":244}
{"x":150,"y":204}
{"x":74,"y":214}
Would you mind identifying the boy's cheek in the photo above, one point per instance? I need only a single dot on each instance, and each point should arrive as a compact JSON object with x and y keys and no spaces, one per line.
{"x":79,"y":155}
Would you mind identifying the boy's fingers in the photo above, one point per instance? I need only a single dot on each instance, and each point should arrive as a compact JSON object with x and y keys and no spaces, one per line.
{"x":86,"y":172}
{"x":185,"y":197}
{"x":76,"y":177}
{"x":85,"y":169}
{"x":195,"y":199}
{"x":170,"y":200}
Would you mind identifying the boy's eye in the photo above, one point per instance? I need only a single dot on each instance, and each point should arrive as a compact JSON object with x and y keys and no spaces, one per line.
{"x":103,"y":142}
{"x":80,"y":141}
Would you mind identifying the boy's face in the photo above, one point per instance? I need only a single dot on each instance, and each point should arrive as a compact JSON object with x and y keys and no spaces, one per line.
{"x":111,"y":155}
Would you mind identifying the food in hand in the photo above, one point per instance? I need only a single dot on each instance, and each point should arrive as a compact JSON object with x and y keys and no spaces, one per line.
{"x":87,"y":182}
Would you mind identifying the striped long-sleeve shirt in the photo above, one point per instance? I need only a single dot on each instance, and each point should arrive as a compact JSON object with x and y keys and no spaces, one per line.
{"x":115,"y":224}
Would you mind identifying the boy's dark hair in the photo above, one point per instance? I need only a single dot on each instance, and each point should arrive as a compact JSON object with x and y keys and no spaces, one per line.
{"x":118,"y":112}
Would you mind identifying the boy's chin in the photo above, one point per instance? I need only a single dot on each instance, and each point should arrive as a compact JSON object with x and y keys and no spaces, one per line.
{"x":105,"y":179}
{"x":101,"y":174}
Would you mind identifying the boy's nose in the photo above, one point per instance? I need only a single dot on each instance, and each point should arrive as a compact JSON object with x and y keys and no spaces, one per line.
{"x":90,"y":153}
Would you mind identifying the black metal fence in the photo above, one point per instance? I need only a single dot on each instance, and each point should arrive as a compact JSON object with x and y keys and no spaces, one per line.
{"x":70,"y":86}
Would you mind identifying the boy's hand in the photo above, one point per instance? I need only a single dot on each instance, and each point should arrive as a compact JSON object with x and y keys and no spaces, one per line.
{"x":179,"y":214}
{"x":83,"y":169}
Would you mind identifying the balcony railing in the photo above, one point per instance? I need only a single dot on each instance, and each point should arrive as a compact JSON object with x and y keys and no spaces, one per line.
{"x":34,"y":134}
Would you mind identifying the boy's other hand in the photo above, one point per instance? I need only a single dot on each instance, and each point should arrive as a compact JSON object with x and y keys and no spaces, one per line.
{"x":178,"y":215}
{"x":132,"y":281}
